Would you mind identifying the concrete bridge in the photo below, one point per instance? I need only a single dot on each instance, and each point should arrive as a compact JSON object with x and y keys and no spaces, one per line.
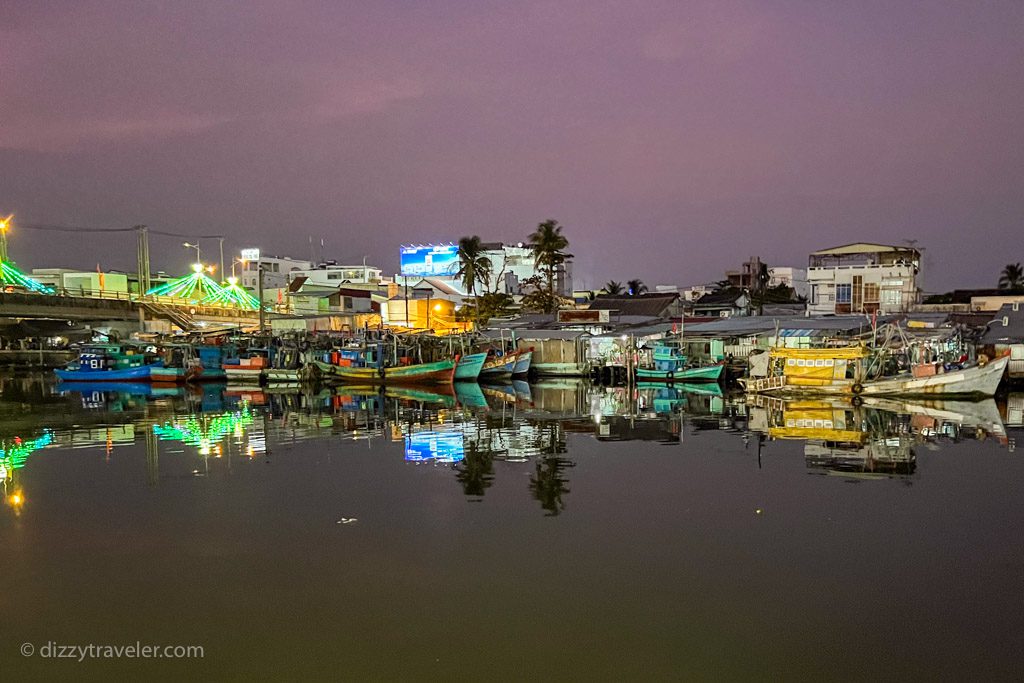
{"x":120,"y":311}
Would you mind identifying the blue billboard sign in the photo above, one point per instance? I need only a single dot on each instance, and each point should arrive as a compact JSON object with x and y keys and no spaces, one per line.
{"x":430,"y":260}
{"x":437,"y":446}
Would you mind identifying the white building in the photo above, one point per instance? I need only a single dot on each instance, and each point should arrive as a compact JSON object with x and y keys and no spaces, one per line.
{"x":89,"y":283}
{"x":794,"y":278}
{"x":691,"y":294}
{"x":863,"y":278}
{"x":332,"y":275}
{"x":278,"y":271}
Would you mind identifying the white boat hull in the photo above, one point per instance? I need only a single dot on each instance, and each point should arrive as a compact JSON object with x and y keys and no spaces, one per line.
{"x":981,"y":380}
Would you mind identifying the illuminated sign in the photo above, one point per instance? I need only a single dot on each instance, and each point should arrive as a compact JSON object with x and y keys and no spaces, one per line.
{"x":250,"y":254}
{"x":430,"y":260}
{"x":437,"y":446}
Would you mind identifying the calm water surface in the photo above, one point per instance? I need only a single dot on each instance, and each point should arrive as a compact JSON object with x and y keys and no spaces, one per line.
{"x":552,"y":531}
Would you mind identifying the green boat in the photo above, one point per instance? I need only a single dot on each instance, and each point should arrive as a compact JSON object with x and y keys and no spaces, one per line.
{"x":470,"y":365}
{"x":670,"y":366}
{"x":440,"y":372}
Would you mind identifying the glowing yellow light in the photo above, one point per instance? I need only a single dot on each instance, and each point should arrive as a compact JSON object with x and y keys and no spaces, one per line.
{"x":5,"y":223}
{"x":16,"y":499}
{"x":210,"y":269}
{"x":437,"y":307}
{"x":232,"y":280}
{"x":197,"y":267}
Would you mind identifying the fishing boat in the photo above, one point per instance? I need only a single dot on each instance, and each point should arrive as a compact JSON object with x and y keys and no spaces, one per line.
{"x":499,"y":365}
{"x":439,"y":372}
{"x":248,"y":368}
{"x":522,"y":366}
{"x":180,"y":365}
{"x":470,"y":365}
{"x":843,"y":371}
{"x":671,"y":366}
{"x":287,"y":366}
{"x":111,"y":363}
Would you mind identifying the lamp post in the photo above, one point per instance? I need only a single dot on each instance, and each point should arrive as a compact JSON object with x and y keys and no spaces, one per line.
{"x":189,"y":245}
{"x":221,"y":240}
{"x":259,"y":289}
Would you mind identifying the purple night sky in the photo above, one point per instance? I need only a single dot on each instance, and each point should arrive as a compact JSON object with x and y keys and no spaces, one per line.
{"x":672,"y":139}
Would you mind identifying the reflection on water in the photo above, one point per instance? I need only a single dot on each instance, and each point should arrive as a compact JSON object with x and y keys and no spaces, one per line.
{"x":651,"y":524}
{"x":469,"y":428}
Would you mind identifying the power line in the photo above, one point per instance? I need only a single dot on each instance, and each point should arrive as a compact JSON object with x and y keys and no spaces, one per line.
{"x":75,"y":228}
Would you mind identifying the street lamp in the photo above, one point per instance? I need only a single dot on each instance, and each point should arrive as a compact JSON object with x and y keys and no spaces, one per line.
{"x":5,"y":224}
{"x":188,"y":245}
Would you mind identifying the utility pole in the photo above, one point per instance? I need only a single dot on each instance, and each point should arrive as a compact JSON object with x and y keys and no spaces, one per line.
{"x":143,"y":260}
{"x":259,"y":289}
{"x":222,"y":273}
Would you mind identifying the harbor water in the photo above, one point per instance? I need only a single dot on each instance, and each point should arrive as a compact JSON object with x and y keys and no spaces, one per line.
{"x":553,"y":531}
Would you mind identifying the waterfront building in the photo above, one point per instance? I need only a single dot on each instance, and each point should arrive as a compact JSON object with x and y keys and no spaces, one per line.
{"x":788,"y":276}
{"x":331,"y":274}
{"x":691,"y":294}
{"x":652,"y":305}
{"x":863,"y":278}
{"x":278,"y":271}
{"x":746,"y":276}
{"x":87,"y":283}
{"x":727,"y":303}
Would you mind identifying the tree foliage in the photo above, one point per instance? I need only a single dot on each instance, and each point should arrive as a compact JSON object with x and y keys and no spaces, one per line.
{"x":636,"y":287}
{"x":485,"y":307}
{"x":613,"y":288}
{"x":1012,"y":277}
{"x":474,"y":267}
{"x":548,"y":245}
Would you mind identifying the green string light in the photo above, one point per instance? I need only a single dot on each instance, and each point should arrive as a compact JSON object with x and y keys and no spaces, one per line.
{"x":194,"y":287}
{"x":10,"y":276}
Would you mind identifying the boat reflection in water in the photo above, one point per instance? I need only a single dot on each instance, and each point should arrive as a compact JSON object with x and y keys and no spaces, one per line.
{"x":875,"y":438}
{"x":480,"y":432}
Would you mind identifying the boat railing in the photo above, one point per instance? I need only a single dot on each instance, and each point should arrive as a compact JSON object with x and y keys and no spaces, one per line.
{"x":766,"y":384}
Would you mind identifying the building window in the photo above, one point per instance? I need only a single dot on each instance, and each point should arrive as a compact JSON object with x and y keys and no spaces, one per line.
{"x":871,"y":292}
{"x":844,"y":294}
{"x":892,"y":298}
{"x":333,"y":276}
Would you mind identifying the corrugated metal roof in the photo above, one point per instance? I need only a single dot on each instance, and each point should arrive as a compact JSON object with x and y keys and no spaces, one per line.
{"x":750,"y":325}
{"x":1010,"y":333}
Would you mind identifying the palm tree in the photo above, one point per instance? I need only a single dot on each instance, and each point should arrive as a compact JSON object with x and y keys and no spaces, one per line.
{"x":613,"y":288}
{"x":1012,"y":277}
{"x":474,"y":267}
{"x":636,"y":287}
{"x":548,"y":245}
{"x":764,"y":276}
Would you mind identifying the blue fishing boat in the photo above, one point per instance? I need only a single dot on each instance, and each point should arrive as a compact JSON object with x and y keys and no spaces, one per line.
{"x":499,"y":365}
{"x":111,"y":363}
{"x":522,"y":365}
{"x":470,"y":365}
